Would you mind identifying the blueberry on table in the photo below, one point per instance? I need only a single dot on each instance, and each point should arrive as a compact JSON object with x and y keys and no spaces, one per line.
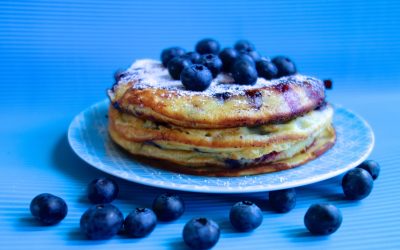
{"x":372,"y":167}
{"x":176,"y":65}
{"x":244,"y":72}
{"x":201,"y":233}
{"x":284,"y":65}
{"x":266,"y":69}
{"x":169,"y":53}
{"x":102,"y":190}
{"x":101,"y":222}
{"x":244,"y":45}
{"x":194,"y":57}
{"x":212,"y":62}
{"x":227,"y":56}
{"x":48,"y":209}
{"x":196,"y":77}
{"x":245,"y":216}
{"x":168,"y":207}
{"x":207,"y":46}
{"x":357,"y":184}
{"x":323,"y":219}
{"x":140,"y":222}
{"x":282,"y":201}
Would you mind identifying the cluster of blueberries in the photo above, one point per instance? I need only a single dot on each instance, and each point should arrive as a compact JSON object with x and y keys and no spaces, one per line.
{"x":104,"y":220}
{"x":197,"y":69}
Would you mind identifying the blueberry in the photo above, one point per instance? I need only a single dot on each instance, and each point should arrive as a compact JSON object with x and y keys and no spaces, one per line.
{"x":212,"y":62}
{"x":48,"y":209}
{"x":244,"y":45}
{"x":266,"y":69}
{"x":101,"y":222}
{"x":169,"y":53}
{"x":284,"y":65}
{"x":244,"y":72}
{"x":140,"y":222}
{"x":119,"y":74}
{"x":168,"y":207}
{"x":201,"y":233}
{"x":245,"y":216}
{"x":196,"y":77}
{"x":357,"y":184}
{"x":372,"y":167}
{"x":245,"y":57}
{"x":253,"y":54}
{"x":227,"y":56}
{"x":102,"y":190}
{"x":323,"y":219}
{"x":282,"y":201}
{"x":207,"y":46}
{"x":176,"y":65}
{"x":194,"y":57}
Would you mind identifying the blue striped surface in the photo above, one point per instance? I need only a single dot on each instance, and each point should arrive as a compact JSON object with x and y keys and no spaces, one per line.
{"x":57,"y":58}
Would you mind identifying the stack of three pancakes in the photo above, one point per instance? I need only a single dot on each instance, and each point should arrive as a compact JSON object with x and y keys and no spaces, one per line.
{"x":226,"y":130}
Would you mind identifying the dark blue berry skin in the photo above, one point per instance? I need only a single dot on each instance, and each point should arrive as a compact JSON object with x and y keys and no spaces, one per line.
{"x":266,"y":69}
{"x":284,"y":65}
{"x":282,"y":201}
{"x":357,"y":184}
{"x":140,"y":222}
{"x":169,"y":53}
{"x":196,"y":77}
{"x":48,"y":209}
{"x":168,"y":207}
{"x":244,"y":72}
{"x":201,"y":233}
{"x":212,"y":62}
{"x":323,"y":219}
{"x":253,"y":54}
{"x":244,"y":45}
{"x":102,"y":190}
{"x":101,"y":222}
{"x":372,"y":167}
{"x":194,"y":57}
{"x":228,"y":57}
{"x":245,"y":216}
{"x":207,"y":46}
{"x":176,"y":65}
{"x":244,"y":57}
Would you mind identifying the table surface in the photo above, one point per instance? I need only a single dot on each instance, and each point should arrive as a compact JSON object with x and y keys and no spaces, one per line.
{"x":36,"y":158}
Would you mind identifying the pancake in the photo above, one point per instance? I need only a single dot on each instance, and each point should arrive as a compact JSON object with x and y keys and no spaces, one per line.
{"x":147,"y":91}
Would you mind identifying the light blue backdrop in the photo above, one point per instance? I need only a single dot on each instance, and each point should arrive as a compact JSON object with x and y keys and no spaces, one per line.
{"x":66,"y":51}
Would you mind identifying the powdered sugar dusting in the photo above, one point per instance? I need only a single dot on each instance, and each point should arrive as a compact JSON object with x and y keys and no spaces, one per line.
{"x":152,"y":74}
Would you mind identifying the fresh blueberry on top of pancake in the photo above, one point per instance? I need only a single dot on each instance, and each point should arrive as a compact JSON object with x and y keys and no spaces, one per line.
{"x":244,"y":57}
{"x":253,"y":54}
{"x":196,"y":77}
{"x":169,"y":53}
{"x":194,"y":57}
{"x":227,"y":56}
{"x":212,"y":62}
{"x":207,"y":46}
{"x":176,"y":65}
{"x":244,"y":45}
{"x":244,"y":72}
{"x":285,"y":66}
{"x":266,"y":69}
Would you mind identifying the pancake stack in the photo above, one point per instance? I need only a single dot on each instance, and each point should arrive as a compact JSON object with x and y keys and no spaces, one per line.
{"x":226,"y":130}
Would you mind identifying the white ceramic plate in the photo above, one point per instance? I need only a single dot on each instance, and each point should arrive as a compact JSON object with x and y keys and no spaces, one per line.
{"x":89,"y":139}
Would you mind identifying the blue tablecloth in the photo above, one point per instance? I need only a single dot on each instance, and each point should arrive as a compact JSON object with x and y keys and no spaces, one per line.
{"x":36,"y":158}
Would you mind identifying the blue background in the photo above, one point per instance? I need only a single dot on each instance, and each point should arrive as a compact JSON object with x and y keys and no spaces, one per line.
{"x":58,"y":57}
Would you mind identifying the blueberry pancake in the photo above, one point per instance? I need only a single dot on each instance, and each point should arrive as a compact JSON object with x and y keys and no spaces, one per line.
{"x":227,"y":129}
{"x":148,"y":92}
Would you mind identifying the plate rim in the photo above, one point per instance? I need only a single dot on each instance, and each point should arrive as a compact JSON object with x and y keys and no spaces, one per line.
{"x":224,"y":190}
